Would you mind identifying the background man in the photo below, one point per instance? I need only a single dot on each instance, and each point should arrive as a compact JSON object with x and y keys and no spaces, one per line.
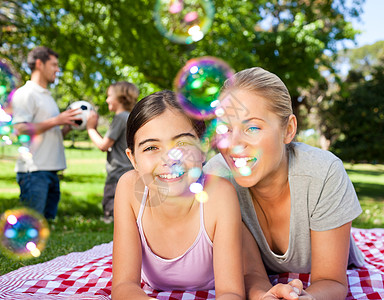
{"x":36,"y":114}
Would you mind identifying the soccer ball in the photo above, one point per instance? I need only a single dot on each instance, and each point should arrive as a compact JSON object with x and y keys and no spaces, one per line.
{"x":85,"y":107}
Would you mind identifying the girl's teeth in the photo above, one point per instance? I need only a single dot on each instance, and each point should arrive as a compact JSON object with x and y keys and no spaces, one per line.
{"x":170,"y":176}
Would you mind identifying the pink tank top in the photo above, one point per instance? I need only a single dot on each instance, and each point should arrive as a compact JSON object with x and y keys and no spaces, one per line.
{"x":191,"y":271}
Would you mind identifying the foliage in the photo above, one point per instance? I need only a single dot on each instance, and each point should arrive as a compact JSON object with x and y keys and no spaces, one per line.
{"x":355,"y":116}
{"x":364,"y":58}
{"x":103,"y":41}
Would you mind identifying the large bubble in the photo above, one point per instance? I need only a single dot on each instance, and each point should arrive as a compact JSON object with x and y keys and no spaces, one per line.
{"x":183,"y":22}
{"x":198,"y":83}
{"x":12,"y":142}
{"x":9,"y":81}
{"x":24,"y":233}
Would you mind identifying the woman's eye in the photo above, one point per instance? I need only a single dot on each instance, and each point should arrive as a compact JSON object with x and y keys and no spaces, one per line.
{"x":252,"y":130}
{"x":150,"y":148}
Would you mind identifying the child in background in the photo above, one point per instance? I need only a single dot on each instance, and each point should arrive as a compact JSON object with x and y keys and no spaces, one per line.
{"x":121,"y":97}
{"x":162,"y":233}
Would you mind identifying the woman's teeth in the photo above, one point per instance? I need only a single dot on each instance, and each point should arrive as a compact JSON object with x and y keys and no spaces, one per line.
{"x":242,"y":158}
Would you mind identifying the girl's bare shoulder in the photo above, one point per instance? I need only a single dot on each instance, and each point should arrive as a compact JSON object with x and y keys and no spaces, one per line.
{"x":220,"y":191}
{"x":130,"y":190}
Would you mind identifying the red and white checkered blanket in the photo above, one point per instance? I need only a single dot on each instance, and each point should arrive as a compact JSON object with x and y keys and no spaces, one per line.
{"x":87,"y":275}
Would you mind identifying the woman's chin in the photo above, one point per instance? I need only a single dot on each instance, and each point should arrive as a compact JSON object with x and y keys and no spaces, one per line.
{"x":245,"y":181}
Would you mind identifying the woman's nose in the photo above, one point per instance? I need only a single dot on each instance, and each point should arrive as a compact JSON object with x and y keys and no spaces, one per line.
{"x":235,"y":141}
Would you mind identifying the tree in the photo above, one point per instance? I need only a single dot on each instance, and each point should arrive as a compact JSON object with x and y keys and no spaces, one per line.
{"x":355,"y":117}
{"x":103,"y":41}
{"x":13,"y":32}
{"x":364,"y":58}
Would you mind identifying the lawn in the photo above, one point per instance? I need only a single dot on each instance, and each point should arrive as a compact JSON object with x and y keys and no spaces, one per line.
{"x":79,"y":226}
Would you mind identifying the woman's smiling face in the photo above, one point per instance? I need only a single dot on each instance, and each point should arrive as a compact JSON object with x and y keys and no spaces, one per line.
{"x":166,"y":148}
{"x":252,"y":139}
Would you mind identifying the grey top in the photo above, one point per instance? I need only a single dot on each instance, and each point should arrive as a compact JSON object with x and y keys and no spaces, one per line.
{"x":117,"y":161}
{"x":322,"y":198}
{"x":32,"y":103}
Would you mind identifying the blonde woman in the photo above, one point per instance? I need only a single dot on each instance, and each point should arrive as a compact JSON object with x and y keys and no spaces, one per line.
{"x":297,"y":201}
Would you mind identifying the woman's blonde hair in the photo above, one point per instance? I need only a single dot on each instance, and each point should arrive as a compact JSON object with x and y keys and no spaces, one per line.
{"x":266,"y":85}
{"x":126,"y":93}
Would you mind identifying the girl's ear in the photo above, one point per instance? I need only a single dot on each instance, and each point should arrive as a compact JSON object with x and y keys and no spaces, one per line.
{"x":290,"y":130}
{"x":131,"y":157}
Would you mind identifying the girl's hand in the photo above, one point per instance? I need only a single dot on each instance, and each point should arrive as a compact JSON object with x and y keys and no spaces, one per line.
{"x":92,"y":120}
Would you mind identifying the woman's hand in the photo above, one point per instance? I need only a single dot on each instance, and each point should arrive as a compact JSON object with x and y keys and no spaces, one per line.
{"x":291,"y":291}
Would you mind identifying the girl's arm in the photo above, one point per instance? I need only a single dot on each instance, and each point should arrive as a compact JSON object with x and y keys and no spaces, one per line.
{"x":227,"y":261}
{"x":103,"y":143}
{"x":330,"y":251}
{"x":126,"y":259}
{"x":257,"y":284}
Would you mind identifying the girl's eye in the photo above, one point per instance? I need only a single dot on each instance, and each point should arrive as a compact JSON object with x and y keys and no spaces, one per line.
{"x":252,"y":130}
{"x":150,"y":148}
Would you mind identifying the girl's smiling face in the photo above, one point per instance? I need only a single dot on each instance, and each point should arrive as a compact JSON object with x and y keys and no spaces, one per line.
{"x":165,"y":149}
{"x":252,"y":139}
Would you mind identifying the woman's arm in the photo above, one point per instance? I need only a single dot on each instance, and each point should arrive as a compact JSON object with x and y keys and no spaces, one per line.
{"x":126,"y":259}
{"x":257,"y":284}
{"x":330,"y":251}
{"x":227,"y":256}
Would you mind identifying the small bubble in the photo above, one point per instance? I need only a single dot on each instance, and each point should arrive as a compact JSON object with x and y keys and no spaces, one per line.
{"x":195,"y":172}
{"x":245,"y":171}
{"x":202,"y":197}
{"x":196,"y":188}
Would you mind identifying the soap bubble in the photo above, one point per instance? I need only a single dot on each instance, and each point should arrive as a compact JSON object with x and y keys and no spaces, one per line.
{"x":202,"y":196}
{"x":183,"y":21}
{"x":9,"y":81}
{"x":198,"y":84}
{"x":14,"y":144}
{"x":24,"y":233}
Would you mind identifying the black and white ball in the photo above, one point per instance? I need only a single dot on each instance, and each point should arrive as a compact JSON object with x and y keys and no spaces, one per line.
{"x":84,"y":109}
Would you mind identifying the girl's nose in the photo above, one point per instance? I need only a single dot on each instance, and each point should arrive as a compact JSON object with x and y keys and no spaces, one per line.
{"x":173,"y":157}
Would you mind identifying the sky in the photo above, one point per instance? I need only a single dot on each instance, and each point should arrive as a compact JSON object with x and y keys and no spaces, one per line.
{"x":371,"y":24}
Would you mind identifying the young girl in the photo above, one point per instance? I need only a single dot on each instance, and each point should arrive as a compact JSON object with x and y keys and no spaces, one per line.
{"x":163,"y":234}
{"x":121,"y":97}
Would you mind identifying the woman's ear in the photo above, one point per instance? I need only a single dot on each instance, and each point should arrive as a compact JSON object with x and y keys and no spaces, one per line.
{"x":290,"y":130}
{"x":131,"y":157}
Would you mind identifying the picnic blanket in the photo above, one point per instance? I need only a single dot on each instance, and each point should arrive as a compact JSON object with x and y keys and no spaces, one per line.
{"x":87,"y":275}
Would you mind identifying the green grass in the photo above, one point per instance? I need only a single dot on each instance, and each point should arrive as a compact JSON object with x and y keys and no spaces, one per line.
{"x":368,"y":181}
{"x":78,"y":226}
